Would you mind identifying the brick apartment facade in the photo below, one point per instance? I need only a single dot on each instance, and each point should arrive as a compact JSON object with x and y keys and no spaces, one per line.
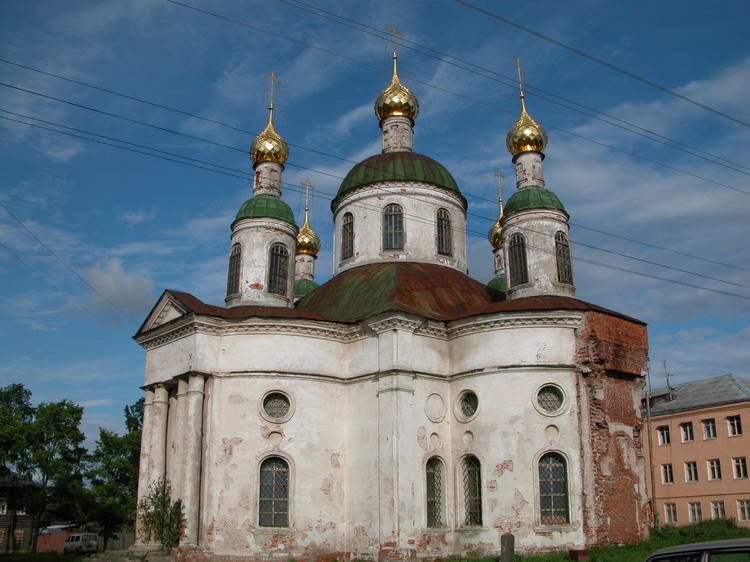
{"x":700,"y":450}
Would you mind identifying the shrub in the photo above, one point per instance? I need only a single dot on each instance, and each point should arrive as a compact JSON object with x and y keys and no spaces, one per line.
{"x":161,"y":519}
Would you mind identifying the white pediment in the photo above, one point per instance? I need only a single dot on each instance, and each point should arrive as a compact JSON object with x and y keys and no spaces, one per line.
{"x":167,"y":309}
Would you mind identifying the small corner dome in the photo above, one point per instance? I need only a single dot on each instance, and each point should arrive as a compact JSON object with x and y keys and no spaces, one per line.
{"x":533,"y":197}
{"x":499,"y":284}
{"x":308,"y":242}
{"x":304,"y":286}
{"x":266,"y":206}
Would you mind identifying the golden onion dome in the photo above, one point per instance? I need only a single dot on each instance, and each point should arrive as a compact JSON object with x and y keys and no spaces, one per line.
{"x":396,"y":99}
{"x":307,"y":241}
{"x":495,"y":234}
{"x":526,"y":135}
{"x":269,"y":146}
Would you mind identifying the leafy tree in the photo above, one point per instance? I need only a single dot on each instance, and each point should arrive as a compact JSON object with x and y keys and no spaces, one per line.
{"x":162,"y":519}
{"x":16,"y":416}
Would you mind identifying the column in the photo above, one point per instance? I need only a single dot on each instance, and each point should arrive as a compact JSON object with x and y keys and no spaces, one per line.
{"x":192,"y":453}
{"x":143,"y":477}
{"x":158,"y":450}
{"x":179,"y":456}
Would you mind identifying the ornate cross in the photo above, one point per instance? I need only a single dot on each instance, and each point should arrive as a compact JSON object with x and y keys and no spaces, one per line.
{"x":307,"y":185}
{"x":272,"y":83}
{"x":519,"y":68}
{"x":500,"y":187}
{"x":395,"y":34}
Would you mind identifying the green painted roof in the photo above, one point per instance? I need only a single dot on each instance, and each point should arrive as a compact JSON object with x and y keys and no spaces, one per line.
{"x":533,"y":197}
{"x":397,"y":166}
{"x":499,"y":283}
{"x":304,"y":286}
{"x":266,"y":206}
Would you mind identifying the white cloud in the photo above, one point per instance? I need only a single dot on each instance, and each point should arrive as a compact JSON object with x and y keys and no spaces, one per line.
{"x":128,"y":291}
{"x":95,"y":403}
{"x":133,"y":218}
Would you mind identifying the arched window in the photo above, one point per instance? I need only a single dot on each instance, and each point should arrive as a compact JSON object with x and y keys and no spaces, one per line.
{"x":444,"y":243}
{"x":562,"y":253}
{"x":553,"y":489}
{"x":233,"y":276}
{"x":273,"y":500}
{"x":434,"y":492}
{"x":393,"y":228}
{"x":278,"y":269}
{"x":347,"y":237}
{"x":517,"y":256}
{"x":472,"y":476}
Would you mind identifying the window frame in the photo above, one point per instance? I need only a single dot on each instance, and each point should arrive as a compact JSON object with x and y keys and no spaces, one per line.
{"x":442,"y":503}
{"x":714,"y":469}
{"x":566,"y":466}
{"x":670,"y":513}
{"x":667,"y":474}
{"x":274,"y":277}
{"x":695,"y":515}
{"x":709,"y":423}
{"x":396,"y":230}
{"x":687,"y":432}
{"x":234,"y":269}
{"x":743,"y":509}
{"x":739,"y":465}
{"x":714,"y":510}
{"x":444,"y":234}
{"x":663,"y":435}
{"x":518,"y":260}
{"x":289,"y":488}
{"x":562,"y":258}
{"x":691,"y":466}
{"x":464,"y":496}
{"x":734,"y":425}
{"x":347,"y":236}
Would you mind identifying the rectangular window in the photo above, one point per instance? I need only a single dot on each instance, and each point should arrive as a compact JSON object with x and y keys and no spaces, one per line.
{"x":691,"y":471}
{"x":735,"y":426}
{"x":717,"y":510}
{"x":667,"y":475}
{"x":714,"y":469}
{"x":687,"y":432}
{"x":740,"y":467}
{"x":663,"y":431}
{"x":695,"y":512}
{"x":743,"y":510}
{"x":670,"y":512}
{"x":709,"y":428}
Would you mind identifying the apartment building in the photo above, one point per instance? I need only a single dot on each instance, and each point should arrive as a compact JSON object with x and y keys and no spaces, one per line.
{"x":699,"y":450}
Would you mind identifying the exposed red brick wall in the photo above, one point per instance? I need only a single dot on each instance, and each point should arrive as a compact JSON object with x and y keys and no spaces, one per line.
{"x":612,"y":355}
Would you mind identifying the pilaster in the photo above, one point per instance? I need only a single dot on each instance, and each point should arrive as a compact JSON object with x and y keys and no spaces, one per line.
{"x":191,"y":480}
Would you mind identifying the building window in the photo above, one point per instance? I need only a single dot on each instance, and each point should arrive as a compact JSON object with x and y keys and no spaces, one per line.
{"x":3,"y":506}
{"x":691,"y":471}
{"x":468,"y":404}
{"x":517,"y":258}
{"x":472,"y":476}
{"x":278,"y":269}
{"x":740,"y":467}
{"x":714,"y":469}
{"x":273,"y":505}
{"x":347,"y":237}
{"x":233,"y":276}
{"x":663,"y":432}
{"x":695,"y":512}
{"x":709,"y":428}
{"x":434,"y":492}
{"x":553,"y":489}
{"x":670,"y":512}
{"x":444,"y":243}
{"x":550,"y":398}
{"x":687,"y":432}
{"x":717,"y":510}
{"x":393,"y":228}
{"x":562,"y":253}
{"x":735,"y":426}
{"x":743,"y":510}
{"x":667,"y":474}
{"x":276,"y":405}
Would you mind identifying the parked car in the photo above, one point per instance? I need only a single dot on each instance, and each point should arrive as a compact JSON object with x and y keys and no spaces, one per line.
{"x":84,"y":542}
{"x":734,"y":550}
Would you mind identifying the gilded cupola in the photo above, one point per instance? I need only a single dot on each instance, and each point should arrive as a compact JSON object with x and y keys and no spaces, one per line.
{"x":396,"y":99}
{"x":269,"y":146}
{"x":526,"y":135}
{"x":307,"y":241}
{"x":495,"y":234}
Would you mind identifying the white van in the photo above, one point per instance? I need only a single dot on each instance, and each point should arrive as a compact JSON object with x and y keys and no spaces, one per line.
{"x":84,"y":542}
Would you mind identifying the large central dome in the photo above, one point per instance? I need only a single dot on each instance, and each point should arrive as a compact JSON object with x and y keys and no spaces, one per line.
{"x":397,"y":166}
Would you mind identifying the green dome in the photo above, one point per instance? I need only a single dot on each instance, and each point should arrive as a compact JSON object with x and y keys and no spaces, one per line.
{"x":304,"y":286}
{"x":533,"y":197}
{"x":499,"y":284}
{"x":397,"y":166}
{"x":266,"y":206}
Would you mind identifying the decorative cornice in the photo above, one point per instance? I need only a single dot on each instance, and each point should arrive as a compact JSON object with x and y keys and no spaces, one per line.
{"x":394,"y":322}
{"x":464,"y":327}
{"x":393,"y":188}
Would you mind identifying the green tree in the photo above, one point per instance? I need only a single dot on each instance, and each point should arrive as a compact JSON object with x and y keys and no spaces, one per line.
{"x":162,"y":518}
{"x":16,"y":417}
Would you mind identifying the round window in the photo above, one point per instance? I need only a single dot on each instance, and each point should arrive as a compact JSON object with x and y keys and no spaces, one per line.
{"x":550,"y":398}
{"x":467,"y":406}
{"x":276,"y":405}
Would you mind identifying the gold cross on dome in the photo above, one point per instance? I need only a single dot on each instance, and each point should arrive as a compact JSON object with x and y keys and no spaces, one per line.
{"x":272,"y":83}
{"x":521,"y":74}
{"x":395,"y":34}
{"x":500,"y":186}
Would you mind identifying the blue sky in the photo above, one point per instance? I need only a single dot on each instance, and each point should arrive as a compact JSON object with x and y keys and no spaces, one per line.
{"x":131,"y":225}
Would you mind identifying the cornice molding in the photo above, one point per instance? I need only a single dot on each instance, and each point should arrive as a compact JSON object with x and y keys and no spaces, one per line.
{"x":464,"y":327}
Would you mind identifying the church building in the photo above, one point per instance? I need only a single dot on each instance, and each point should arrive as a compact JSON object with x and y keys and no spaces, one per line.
{"x":402,"y":409}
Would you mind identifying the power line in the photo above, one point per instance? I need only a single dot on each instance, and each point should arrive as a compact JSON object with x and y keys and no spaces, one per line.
{"x":512,"y":82}
{"x":421,"y":219}
{"x":603,"y":62}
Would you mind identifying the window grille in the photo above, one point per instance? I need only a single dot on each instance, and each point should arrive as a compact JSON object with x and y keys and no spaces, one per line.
{"x":670,"y":510}
{"x":434,"y":492}
{"x":735,"y":426}
{"x":687,"y":432}
{"x":472,"y":476}
{"x":717,"y":510}
{"x":709,"y":428}
{"x":550,"y":398}
{"x":562,"y":253}
{"x":663,"y":432}
{"x":691,"y":471}
{"x":469,"y":403}
{"x":667,"y":474}
{"x":517,"y":258}
{"x":393,"y":228}
{"x":740,"y":467}
{"x":714,"y":469}
{"x":444,"y":242}
{"x":278,"y":269}
{"x":347,"y":237}
{"x":695,"y":512}
{"x":276,"y":405}
{"x":233,"y":277}
{"x":273,"y":508}
{"x":553,"y":489}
